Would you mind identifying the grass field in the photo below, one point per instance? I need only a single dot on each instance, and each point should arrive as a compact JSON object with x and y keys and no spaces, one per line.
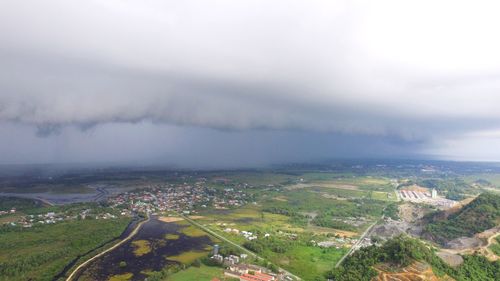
{"x":257,"y":178}
{"x":202,"y":273}
{"x":192,"y":231}
{"x":188,"y":257}
{"x":121,"y":277}
{"x":171,"y":236}
{"x":141,"y":247}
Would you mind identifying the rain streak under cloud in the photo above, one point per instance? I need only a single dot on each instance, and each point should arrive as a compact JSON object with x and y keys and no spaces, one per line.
{"x":248,"y":82}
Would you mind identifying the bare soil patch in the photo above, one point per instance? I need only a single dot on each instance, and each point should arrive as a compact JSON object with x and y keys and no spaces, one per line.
{"x":196,"y":217}
{"x":417,"y":271}
{"x":451,"y":259}
{"x":336,"y":185}
{"x":170,"y":219}
{"x":325,"y":230}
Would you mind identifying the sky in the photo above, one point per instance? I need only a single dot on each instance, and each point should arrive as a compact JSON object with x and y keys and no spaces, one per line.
{"x":248,"y":83}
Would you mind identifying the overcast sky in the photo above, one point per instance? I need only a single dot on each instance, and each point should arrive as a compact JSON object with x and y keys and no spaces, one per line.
{"x":245,"y":83}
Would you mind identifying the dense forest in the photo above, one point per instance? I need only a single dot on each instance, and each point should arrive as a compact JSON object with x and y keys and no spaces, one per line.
{"x":402,"y":251}
{"x":479,"y":215}
{"x":42,"y":251}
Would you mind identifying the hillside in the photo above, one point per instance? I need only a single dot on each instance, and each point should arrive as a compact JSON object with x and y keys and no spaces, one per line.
{"x":416,"y":271}
{"x":479,"y":215}
{"x":404,"y":254}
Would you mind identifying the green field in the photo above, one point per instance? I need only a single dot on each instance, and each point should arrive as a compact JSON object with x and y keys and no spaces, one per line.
{"x":284,"y":216}
{"x":202,"y":273}
{"x":304,"y":208}
{"x":258,"y":178}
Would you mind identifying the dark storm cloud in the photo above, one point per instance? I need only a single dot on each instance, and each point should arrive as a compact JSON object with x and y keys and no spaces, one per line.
{"x":351,"y":69}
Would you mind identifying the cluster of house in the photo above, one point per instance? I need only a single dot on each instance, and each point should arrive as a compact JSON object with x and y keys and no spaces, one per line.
{"x":168,"y":197}
{"x":52,"y":217}
{"x":235,"y":267}
{"x":249,"y":272}
{"x":230,"y":197}
{"x":229,"y":260}
{"x":354,"y":221}
{"x":11,"y":211}
{"x":246,"y":272}
{"x":247,"y":234}
{"x":179,"y":197}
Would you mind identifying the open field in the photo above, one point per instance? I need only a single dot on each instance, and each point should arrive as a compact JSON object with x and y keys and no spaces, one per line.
{"x":293,"y":233}
{"x":170,"y":219}
{"x":202,"y":273}
{"x":362,"y":187}
{"x":257,"y":178}
{"x":188,"y":257}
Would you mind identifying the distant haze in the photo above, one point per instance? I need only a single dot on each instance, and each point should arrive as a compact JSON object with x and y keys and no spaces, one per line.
{"x":248,"y":83}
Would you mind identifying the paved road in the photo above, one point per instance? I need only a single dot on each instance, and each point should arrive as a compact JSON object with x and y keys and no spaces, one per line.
{"x":234,"y":244}
{"x":356,"y":246}
{"x":130,"y":236}
{"x":45,"y":201}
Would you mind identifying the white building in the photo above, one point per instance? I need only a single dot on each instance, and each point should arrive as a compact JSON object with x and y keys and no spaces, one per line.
{"x":434,"y":193}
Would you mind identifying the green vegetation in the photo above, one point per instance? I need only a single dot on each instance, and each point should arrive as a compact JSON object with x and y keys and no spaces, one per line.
{"x":476,"y":268}
{"x":296,"y":254}
{"x":171,"y":236}
{"x":495,"y":247}
{"x":401,"y":252}
{"x":295,"y":215}
{"x":141,"y":247}
{"x":479,"y":215}
{"x":296,"y":218}
{"x":21,"y":204}
{"x":392,"y":211}
{"x":201,"y":273}
{"x":121,"y":277}
{"x":197,"y":271}
{"x":327,"y":209}
{"x":187,"y":257}
{"x":192,"y":231}
{"x":453,"y":188}
{"x":41,"y":252}
{"x":289,"y":211}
